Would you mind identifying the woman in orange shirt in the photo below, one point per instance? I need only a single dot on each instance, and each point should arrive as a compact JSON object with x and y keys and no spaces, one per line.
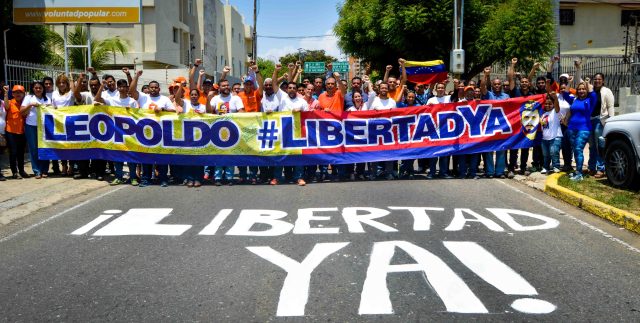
{"x":15,"y":130}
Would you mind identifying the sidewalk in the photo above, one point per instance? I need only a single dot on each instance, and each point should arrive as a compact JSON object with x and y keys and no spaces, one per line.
{"x":21,"y":197}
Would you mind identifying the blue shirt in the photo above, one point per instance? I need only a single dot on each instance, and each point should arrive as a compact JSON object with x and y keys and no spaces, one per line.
{"x":402,"y":104}
{"x":422,"y":99}
{"x":581,"y":111}
{"x":348,"y":99}
{"x":492,"y":96}
{"x":517,"y":92}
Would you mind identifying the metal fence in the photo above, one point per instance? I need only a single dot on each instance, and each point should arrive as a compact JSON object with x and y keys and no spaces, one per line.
{"x":616,"y":69}
{"x":23,"y":73}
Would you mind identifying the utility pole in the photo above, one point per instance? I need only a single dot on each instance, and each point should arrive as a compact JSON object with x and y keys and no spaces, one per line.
{"x":255,"y":37}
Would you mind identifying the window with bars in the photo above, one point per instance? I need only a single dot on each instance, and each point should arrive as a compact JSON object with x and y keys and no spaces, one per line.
{"x":567,"y":17}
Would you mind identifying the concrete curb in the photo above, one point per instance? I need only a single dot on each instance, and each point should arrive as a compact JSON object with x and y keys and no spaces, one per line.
{"x":623,"y":218}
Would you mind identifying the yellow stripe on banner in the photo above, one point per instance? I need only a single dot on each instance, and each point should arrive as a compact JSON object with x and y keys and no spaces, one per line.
{"x":248,"y":124}
{"x":425,"y":63}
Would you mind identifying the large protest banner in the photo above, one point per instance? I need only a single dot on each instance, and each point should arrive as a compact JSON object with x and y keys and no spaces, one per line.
{"x":287,"y":138}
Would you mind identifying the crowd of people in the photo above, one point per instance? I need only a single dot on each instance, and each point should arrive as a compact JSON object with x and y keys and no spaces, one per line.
{"x":573,"y":115}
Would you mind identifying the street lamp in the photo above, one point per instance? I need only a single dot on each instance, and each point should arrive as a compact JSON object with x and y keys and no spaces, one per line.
{"x":6,"y":57}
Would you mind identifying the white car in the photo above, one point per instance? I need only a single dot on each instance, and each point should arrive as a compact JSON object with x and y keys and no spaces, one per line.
{"x":622,"y":150}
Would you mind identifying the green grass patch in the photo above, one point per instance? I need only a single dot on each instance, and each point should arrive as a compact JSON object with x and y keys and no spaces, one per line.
{"x":601,"y":190}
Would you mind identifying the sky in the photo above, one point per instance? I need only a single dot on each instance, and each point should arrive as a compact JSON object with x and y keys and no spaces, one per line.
{"x":292,"y":18}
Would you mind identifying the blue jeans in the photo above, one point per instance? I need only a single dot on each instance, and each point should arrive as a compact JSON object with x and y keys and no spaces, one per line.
{"x":443,"y":164}
{"x":551,"y":153}
{"x":253,"y":172}
{"x":407,"y":166}
{"x":496,"y":169}
{"x":579,"y":139}
{"x":38,"y":166}
{"x":298,"y":173}
{"x":147,"y":172}
{"x":596,"y":146}
{"x":469,"y":162}
{"x":225,"y":172}
{"x":567,"y":153}
{"x":120,"y":173}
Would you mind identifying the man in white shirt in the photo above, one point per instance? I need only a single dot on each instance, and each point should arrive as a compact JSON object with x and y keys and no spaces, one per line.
{"x":444,"y":160}
{"x":156,"y":102}
{"x":221,"y":104}
{"x":122,"y":100}
{"x":112,"y":90}
{"x":296,"y":103}
{"x":381,"y":101}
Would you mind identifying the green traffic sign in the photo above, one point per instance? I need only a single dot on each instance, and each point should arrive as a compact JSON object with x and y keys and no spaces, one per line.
{"x":341,"y":67}
{"x":314,"y":67}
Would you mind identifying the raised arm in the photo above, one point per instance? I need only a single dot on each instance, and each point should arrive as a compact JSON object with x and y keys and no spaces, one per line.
{"x":178,"y":97}
{"x":210,"y":96}
{"x":200,"y":80}
{"x":133,"y":87}
{"x":293,"y":69}
{"x":276,"y":71}
{"x":556,"y":104}
{"x":225,"y":71}
{"x":578,"y":75}
{"x":387,"y":69}
{"x":511,"y":72}
{"x":259,"y":80}
{"x":92,"y":71}
{"x":76,"y":89}
{"x":341,"y":86}
{"x":534,"y":70}
{"x":98,"y":97}
{"x":192,"y":73}
{"x":485,"y":81}
{"x":126,"y":72}
{"x":6,"y":97}
{"x":403,"y":79}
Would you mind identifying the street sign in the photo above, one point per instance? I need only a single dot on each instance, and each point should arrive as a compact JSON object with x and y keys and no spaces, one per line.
{"x":341,"y":67}
{"x":314,"y":67}
{"x":30,"y":12}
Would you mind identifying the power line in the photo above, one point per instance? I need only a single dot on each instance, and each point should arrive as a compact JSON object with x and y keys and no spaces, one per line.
{"x":295,"y":37}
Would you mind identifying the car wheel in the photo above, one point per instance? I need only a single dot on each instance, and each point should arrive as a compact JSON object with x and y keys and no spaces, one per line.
{"x":620,"y":164}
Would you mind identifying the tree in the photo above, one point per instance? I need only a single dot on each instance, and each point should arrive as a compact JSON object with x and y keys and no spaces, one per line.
{"x":307,"y":56}
{"x":101,"y":50}
{"x":381,"y":31}
{"x":25,"y":43}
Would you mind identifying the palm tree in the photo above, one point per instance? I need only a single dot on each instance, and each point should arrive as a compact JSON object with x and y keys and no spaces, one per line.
{"x":101,"y":50}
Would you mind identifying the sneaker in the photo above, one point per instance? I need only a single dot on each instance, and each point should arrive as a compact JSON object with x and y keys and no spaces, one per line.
{"x":447,"y":176}
{"x":527,"y":173}
{"x":230,"y":182}
{"x":544,"y":171}
{"x":556,"y":170}
{"x":134,"y":182}
{"x":301,"y":182}
{"x":511,"y":174}
{"x":218,"y":183}
{"x":164,"y":184}
{"x":429,"y":176}
{"x":116,"y":181}
{"x":389,"y":177}
{"x":16,"y":176}
{"x":273,"y":182}
{"x":80,"y":176}
{"x":502,"y":176}
{"x":476,"y":177}
{"x":100,"y":178}
{"x":577,"y":178}
{"x":143,"y":183}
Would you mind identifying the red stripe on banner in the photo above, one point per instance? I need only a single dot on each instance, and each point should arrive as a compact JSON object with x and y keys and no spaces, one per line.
{"x":427,"y":78}
{"x":511,"y":108}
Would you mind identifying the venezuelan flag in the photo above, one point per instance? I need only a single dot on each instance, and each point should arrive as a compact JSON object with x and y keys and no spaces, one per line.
{"x":426,"y":72}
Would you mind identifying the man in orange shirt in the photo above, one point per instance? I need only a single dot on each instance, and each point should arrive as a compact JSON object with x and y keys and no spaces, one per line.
{"x":395,"y":89}
{"x":14,"y":130}
{"x":332,"y":100}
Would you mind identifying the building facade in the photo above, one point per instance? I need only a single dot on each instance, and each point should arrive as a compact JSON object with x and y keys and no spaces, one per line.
{"x":596,"y":27}
{"x":173,"y":33}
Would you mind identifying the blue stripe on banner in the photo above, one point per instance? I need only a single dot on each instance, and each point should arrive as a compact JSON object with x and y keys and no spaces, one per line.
{"x":514,"y":142}
{"x":425,"y":69}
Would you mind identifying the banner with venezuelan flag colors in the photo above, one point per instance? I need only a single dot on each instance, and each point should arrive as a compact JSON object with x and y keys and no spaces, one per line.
{"x":287,"y":138}
{"x":427,"y":72}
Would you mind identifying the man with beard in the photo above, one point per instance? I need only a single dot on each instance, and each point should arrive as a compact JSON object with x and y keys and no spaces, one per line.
{"x":496,"y":93}
{"x":251,"y":98}
{"x":156,"y":102}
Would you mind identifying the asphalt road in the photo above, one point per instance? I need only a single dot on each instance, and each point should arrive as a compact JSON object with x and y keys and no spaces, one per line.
{"x":352,"y":258}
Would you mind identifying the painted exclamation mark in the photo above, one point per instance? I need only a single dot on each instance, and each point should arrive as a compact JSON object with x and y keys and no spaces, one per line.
{"x":97,"y":221}
{"x":501,"y":276}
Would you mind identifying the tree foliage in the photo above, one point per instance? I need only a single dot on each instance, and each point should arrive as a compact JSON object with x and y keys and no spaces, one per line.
{"x":307,"y":56}
{"x":25,"y":43}
{"x":101,"y":50}
{"x":381,"y":31}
